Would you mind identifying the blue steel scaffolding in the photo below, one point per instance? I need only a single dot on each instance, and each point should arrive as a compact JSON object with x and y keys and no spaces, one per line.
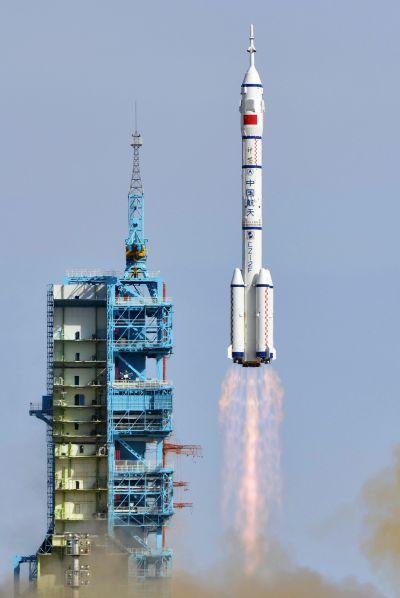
{"x":139,"y":407}
{"x":139,"y":401}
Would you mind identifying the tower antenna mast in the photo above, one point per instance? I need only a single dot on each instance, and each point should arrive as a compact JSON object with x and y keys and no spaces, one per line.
{"x":136,"y":244}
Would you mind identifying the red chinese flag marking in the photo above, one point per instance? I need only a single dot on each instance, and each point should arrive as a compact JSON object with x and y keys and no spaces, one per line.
{"x":250,"y":119}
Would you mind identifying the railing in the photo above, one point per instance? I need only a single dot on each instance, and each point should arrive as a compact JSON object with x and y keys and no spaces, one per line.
{"x":65,"y":419}
{"x":59,"y":381}
{"x":60,"y":516}
{"x":71,"y":405}
{"x":144,"y":424}
{"x":148,"y":342}
{"x":128,"y":301}
{"x":153,"y":551}
{"x":83,"y":434}
{"x":98,"y":272}
{"x":153,"y":510}
{"x":75,"y":453}
{"x":135,"y":466}
{"x":83,"y":484}
{"x":91,"y":273}
{"x":64,"y":403}
{"x":94,"y":360}
{"x":145,"y":321}
{"x":99,"y":335}
{"x":146,"y":384}
{"x":138,"y":488}
{"x":81,"y":292}
{"x":139,"y":403}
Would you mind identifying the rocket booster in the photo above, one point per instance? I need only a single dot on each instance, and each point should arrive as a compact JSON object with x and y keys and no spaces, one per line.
{"x":252,"y":335}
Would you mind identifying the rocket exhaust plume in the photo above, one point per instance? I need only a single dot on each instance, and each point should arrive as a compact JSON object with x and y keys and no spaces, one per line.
{"x":249,"y":491}
{"x":250,"y":414}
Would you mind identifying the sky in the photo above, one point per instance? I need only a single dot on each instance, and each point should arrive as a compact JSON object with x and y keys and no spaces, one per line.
{"x":70,"y":73}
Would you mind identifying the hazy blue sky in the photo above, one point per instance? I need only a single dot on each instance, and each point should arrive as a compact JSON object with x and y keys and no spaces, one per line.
{"x":69,"y":74}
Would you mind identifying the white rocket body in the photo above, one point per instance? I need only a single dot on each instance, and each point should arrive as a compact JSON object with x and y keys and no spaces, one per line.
{"x":251,"y":287}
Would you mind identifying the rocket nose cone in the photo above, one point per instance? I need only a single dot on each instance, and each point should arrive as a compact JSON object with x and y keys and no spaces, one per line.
{"x":252,"y":77}
{"x":237,"y":278}
{"x":264,"y":278}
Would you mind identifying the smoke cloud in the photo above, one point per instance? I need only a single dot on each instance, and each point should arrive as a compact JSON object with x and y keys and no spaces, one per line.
{"x":297,"y":584}
{"x":276,"y":577}
{"x":381,"y":542}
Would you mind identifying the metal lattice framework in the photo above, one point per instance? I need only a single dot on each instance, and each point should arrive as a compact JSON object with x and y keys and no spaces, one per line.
{"x":136,"y":185}
{"x":49,"y":388}
{"x":136,"y":244}
{"x":142,"y":327}
{"x":140,"y":487}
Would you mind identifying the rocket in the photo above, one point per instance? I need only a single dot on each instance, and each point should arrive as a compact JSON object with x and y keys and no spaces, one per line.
{"x":252,"y":303}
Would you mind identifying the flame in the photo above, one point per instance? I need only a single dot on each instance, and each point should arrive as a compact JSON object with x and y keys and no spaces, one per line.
{"x":230,"y":419}
{"x":251,"y":412}
{"x":250,"y":505}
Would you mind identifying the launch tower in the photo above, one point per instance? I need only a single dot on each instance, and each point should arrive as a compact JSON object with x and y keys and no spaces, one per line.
{"x":108,"y":413}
